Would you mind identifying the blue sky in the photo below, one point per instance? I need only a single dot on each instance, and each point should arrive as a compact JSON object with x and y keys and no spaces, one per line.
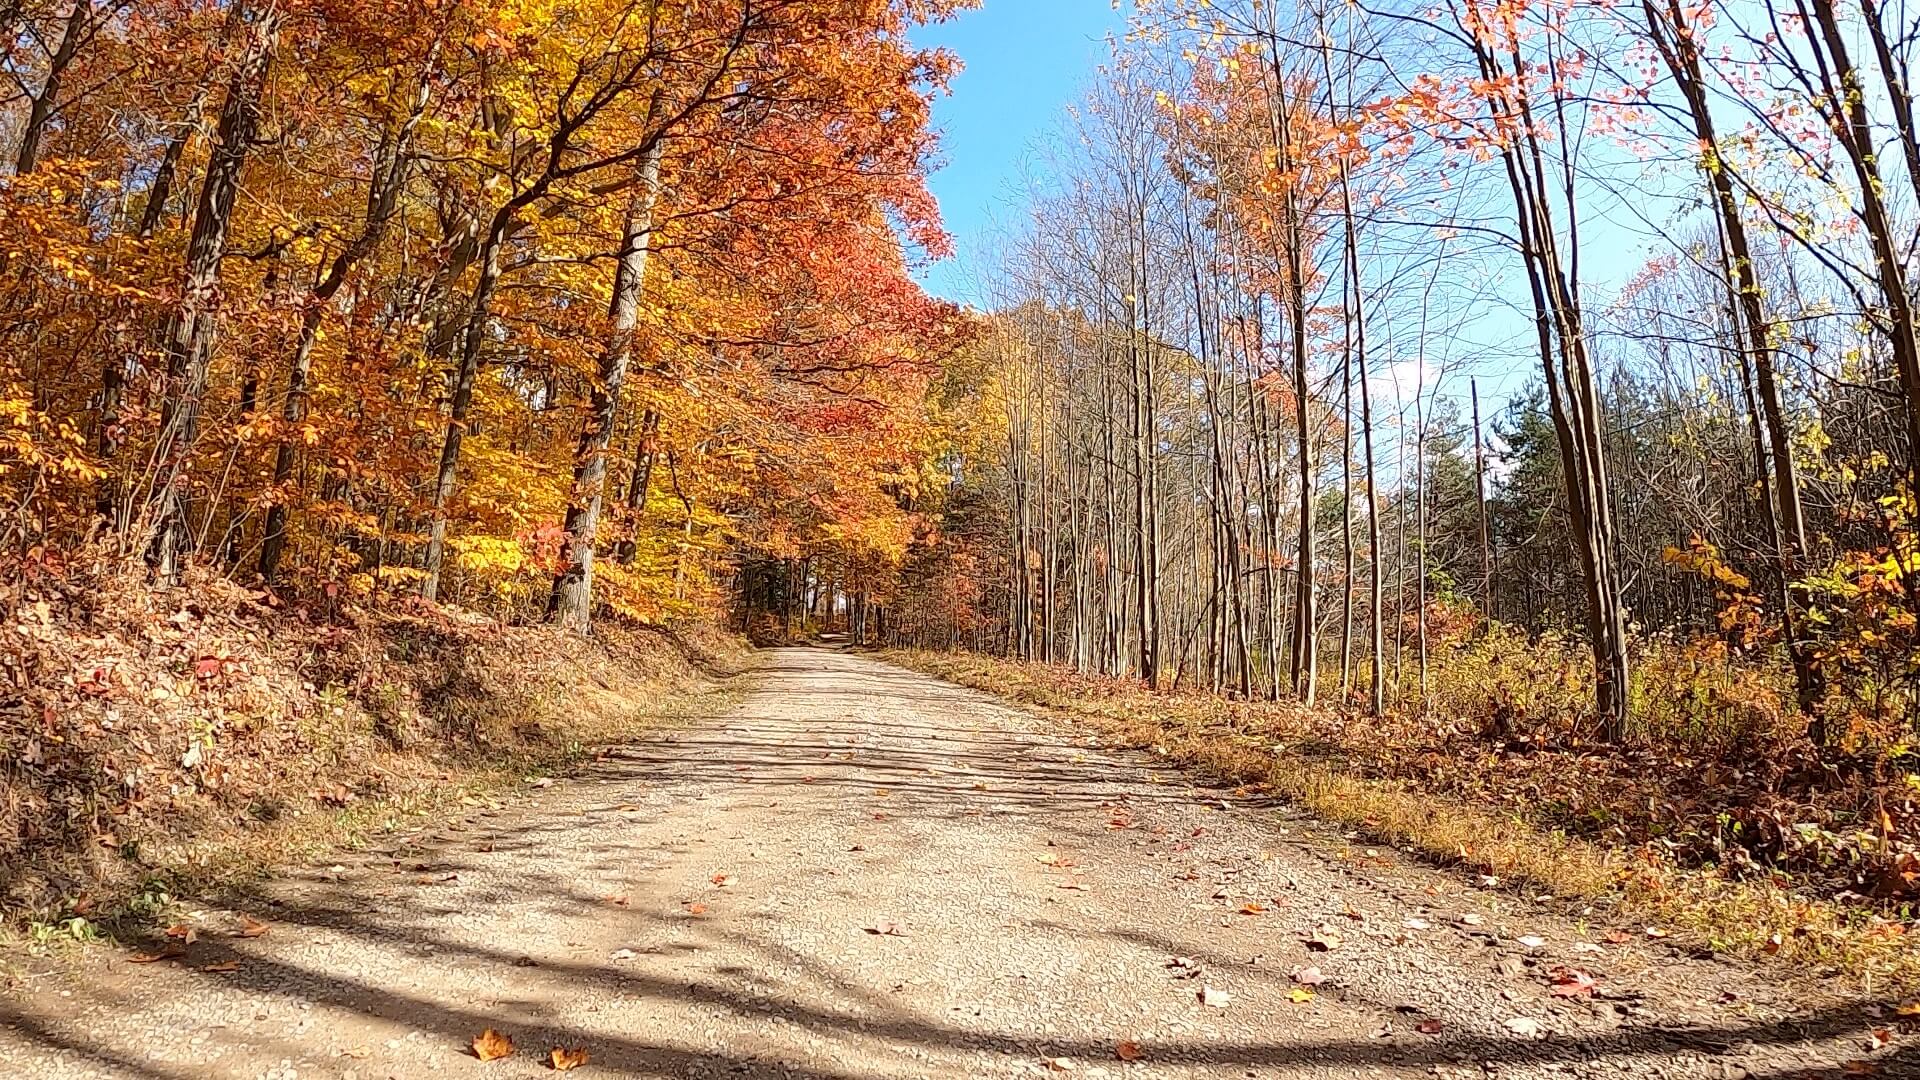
{"x":1026,"y":61}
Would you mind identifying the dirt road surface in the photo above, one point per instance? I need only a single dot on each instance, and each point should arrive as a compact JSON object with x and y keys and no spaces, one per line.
{"x":859,"y":872}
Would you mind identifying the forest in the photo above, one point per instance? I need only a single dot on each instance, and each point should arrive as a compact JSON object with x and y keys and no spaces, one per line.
{"x":1519,"y":398}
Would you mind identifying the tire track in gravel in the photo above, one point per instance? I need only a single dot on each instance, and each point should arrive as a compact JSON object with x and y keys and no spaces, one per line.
{"x":703,"y":905}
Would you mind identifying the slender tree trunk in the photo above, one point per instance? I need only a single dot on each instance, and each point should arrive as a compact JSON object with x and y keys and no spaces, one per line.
{"x":191,"y":339}
{"x":41,"y":105}
{"x":571,"y":603}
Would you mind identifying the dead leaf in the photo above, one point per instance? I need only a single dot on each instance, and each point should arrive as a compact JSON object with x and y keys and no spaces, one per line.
{"x":884,"y":928}
{"x":1253,"y":908}
{"x":1128,"y":1050}
{"x":1214,"y":998}
{"x":1655,"y":932}
{"x":1909,"y":1009}
{"x":725,"y":881}
{"x":1571,"y":982}
{"x":1429,"y":1026}
{"x":223,"y":966}
{"x":171,"y":952}
{"x":1526,"y":1027}
{"x":1299,"y":995}
{"x":1879,"y":1037}
{"x":183,"y":933}
{"x":1308,"y":976}
{"x":1060,"y":1064}
{"x":563,"y":1059}
{"x":490,"y":1045}
{"x":696,"y":908}
{"x":617,"y":900}
{"x":251,"y":927}
{"x":1618,"y":937}
{"x":1323,"y":940}
{"x":1531,"y":941}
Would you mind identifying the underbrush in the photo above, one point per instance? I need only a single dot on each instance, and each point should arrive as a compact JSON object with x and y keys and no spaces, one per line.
{"x":157,"y":740}
{"x":1718,"y":821}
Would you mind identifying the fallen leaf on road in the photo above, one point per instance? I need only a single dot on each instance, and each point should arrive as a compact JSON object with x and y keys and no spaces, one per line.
{"x":1129,"y":1050}
{"x":1060,"y":1064}
{"x":1618,"y":937}
{"x":183,"y":933}
{"x":1214,"y":998}
{"x":1655,"y":932}
{"x":251,"y":927}
{"x":1571,"y":982}
{"x":1299,"y":995}
{"x":1308,"y":976}
{"x":563,"y":1059}
{"x":1909,"y":1009}
{"x":1323,"y":940}
{"x":1252,"y":908}
{"x":1429,"y":1026}
{"x":357,"y":1053}
{"x":724,"y":880}
{"x":696,"y":908}
{"x":1526,"y":1027}
{"x":1879,"y":1037}
{"x":490,"y":1045}
{"x":171,"y":952}
{"x":1530,"y":941}
{"x":1417,"y":924}
{"x":884,"y":928}
{"x":622,"y":954}
{"x":1860,"y":1068}
{"x":617,"y":900}
{"x":223,"y":966}
{"x":1077,"y":886}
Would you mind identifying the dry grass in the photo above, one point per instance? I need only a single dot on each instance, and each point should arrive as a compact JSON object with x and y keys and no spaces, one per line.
{"x":1632,"y":884}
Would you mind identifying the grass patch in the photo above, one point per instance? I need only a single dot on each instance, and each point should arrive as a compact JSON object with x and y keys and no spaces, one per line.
{"x":1636,"y":884}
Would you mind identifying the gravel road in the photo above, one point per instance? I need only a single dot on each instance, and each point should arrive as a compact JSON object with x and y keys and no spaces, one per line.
{"x":860,"y":872}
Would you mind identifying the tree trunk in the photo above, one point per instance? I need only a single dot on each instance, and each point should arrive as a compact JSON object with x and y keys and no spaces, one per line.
{"x":191,"y":338}
{"x":571,"y":603}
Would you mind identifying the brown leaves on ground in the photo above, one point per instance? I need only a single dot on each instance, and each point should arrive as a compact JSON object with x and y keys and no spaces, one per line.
{"x":884,"y":928}
{"x":563,"y":1059}
{"x":490,"y":1045}
{"x":1571,"y":983}
{"x":183,"y":933}
{"x":725,"y":881}
{"x":251,"y":927}
{"x":694,"y":907}
{"x":1129,"y":1050}
{"x":1215,"y":998}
